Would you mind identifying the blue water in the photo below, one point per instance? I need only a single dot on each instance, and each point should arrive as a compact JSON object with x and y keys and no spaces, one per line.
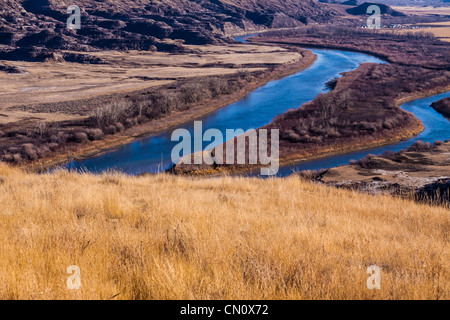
{"x":437,"y":127}
{"x":153,"y":154}
{"x":243,"y":39}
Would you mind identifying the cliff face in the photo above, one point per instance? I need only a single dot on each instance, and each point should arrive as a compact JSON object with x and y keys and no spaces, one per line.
{"x":26,"y":25}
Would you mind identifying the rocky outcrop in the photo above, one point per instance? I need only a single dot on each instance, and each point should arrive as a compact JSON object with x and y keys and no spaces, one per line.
{"x":421,"y":171}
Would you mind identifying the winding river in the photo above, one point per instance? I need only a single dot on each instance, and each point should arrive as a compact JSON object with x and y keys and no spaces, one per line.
{"x":153,"y":154}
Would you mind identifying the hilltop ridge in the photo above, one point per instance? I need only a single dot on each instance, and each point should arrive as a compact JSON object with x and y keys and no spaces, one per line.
{"x":29,"y":29}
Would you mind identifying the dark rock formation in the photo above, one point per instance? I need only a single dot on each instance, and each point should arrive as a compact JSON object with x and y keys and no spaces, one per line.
{"x":33,"y":29}
{"x":362,"y":10}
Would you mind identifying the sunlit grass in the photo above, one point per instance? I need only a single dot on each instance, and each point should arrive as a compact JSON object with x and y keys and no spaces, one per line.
{"x":164,"y":237}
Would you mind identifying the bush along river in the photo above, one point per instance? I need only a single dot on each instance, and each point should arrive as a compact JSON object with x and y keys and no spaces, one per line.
{"x":153,"y":154}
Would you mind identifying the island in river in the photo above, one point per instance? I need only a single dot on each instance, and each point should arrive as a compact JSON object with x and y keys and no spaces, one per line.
{"x":442,"y":106}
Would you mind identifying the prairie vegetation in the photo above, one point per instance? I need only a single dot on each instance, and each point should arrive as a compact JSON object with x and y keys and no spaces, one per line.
{"x":420,"y":172}
{"x":362,"y":104}
{"x":362,"y":108}
{"x":30,"y":144}
{"x":38,"y":133}
{"x":165,"y":237}
{"x":419,"y":49}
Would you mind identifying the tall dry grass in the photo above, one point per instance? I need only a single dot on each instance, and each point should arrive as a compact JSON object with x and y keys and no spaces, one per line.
{"x":166,"y":237}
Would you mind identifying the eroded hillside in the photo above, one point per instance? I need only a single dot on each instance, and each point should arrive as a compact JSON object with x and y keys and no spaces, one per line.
{"x":30,"y":29}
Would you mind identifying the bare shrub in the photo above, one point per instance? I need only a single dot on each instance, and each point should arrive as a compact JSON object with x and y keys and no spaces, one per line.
{"x":420,"y":146}
{"x":53,"y":146}
{"x":111,"y":129}
{"x":217,"y":86}
{"x":391,"y":155}
{"x":311,"y":175}
{"x":42,"y":128}
{"x":62,"y":137}
{"x":80,"y":137}
{"x":365,"y":162}
{"x":29,"y":151}
{"x":95,"y":134}
{"x":7,"y":158}
{"x":291,"y":136}
{"x":17,"y":157}
{"x":244,"y":75}
{"x":112,"y":113}
{"x":120,"y":127}
{"x":130,"y":122}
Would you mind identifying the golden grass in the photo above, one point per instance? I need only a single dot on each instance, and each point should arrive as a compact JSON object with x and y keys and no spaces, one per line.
{"x":442,"y":33}
{"x":164,"y":237}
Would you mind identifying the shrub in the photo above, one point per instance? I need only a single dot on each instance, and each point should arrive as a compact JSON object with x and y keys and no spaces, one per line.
{"x":217,"y":86}
{"x":80,"y":137}
{"x":391,"y":155}
{"x":316,"y":139}
{"x":130,"y":122}
{"x":292,"y":136}
{"x":311,"y":175}
{"x":141,"y":119}
{"x":112,"y":113}
{"x":111,"y":129}
{"x":29,"y":151}
{"x":17,"y":157}
{"x":365,"y":162}
{"x":95,"y":134}
{"x":53,"y":146}
{"x":420,"y":146}
{"x":13,"y":150}
{"x":62,"y":137}
{"x":120,"y":127}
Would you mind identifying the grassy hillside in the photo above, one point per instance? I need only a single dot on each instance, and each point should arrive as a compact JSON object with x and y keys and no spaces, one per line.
{"x":164,"y":237}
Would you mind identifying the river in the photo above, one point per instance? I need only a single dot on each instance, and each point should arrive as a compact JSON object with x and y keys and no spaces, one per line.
{"x":153,"y":154}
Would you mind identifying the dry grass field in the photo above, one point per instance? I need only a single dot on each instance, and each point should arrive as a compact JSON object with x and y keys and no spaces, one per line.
{"x":428,"y":10}
{"x":45,"y":82}
{"x":441,"y":30}
{"x":165,"y":237}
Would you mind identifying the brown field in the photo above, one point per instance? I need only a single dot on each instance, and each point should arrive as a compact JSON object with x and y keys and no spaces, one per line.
{"x":423,"y":10}
{"x":124,"y":72}
{"x":164,"y":237}
{"x":440,"y":30}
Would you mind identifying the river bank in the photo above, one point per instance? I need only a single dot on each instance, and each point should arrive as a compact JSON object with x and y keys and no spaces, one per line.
{"x":353,"y":144}
{"x":310,"y":132}
{"x":111,"y":142}
{"x":364,"y":103}
{"x":420,"y":172}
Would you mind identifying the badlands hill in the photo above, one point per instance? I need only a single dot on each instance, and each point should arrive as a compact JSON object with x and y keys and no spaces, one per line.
{"x":29,"y":28}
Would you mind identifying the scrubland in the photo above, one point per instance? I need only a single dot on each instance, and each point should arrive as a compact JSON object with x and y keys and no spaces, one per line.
{"x":169,"y":90}
{"x":166,"y":237}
